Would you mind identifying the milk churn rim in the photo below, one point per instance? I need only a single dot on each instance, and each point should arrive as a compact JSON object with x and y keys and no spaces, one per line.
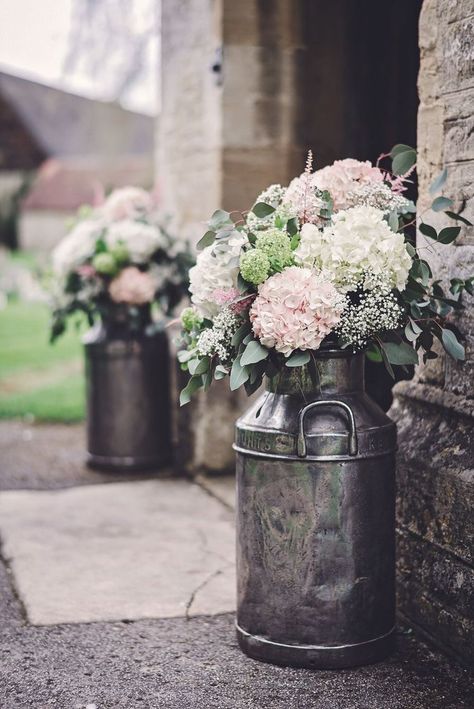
{"x":370,"y":445}
{"x":328,"y":648}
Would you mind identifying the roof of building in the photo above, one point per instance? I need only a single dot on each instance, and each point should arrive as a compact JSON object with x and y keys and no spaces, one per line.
{"x":64,"y":184}
{"x":51,"y":122}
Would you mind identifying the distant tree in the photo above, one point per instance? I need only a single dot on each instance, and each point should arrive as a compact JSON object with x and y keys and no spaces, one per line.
{"x":113,"y":43}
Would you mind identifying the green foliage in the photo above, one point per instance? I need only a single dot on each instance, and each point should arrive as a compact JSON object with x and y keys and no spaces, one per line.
{"x":403,"y":159}
{"x":254,"y":352}
{"x":262,"y":210}
{"x":298,"y":359}
{"x":438,"y":182}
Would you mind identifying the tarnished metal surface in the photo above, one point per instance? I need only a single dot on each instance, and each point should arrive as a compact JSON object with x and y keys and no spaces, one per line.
{"x":128,"y":413}
{"x":315,"y":549}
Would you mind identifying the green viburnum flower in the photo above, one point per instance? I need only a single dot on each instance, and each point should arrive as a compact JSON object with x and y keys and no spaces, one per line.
{"x":254,"y":266}
{"x":120,"y":253}
{"x":105,"y":263}
{"x":190,"y":319}
{"x":276,"y":245}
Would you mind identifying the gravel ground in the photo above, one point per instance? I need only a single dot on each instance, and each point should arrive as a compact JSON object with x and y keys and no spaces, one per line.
{"x":50,"y":456}
{"x":190,"y":664}
{"x":196,"y":664}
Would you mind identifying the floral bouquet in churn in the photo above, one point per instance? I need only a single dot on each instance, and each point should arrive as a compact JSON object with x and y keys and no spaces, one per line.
{"x":326,"y":262}
{"x":118,"y":258}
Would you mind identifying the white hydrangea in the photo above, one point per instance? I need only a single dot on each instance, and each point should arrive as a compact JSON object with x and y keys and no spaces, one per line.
{"x":216,"y":269}
{"x":357,"y":244}
{"x":228,"y":250}
{"x":77,"y":246}
{"x":140,"y":240}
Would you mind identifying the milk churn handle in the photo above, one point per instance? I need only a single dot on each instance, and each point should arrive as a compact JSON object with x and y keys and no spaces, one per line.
{"x":327,"y":402}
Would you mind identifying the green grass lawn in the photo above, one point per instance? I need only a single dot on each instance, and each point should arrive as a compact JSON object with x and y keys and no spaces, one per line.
{"x":36,"y":378}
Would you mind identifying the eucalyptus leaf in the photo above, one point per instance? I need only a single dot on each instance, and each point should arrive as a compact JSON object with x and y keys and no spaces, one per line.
{"x":184,"y":356}
{"x":399,"y":148}
{"x":292,"y":226}
{"x":403,"y":161}
{"x":400,"y":353}
{"x":429,"y":231}
{"x":415,"y":327}
{"x":207,"y":379}
{"x":387,"y":364}
{"x":193,"y":385}
{"x":192,"y":365}
{"x":452,"y":345}
{"x":219,"y":219}
{"x":220,"y":372}
{"x":254,"y":352}
{"x":438,"y":182}
{"x":238,"y":375}
{"x":373,"y":353}
{"x":409,"y":334}
{"x":262,"y":210}
{"x":441,"y":203}
{"x":448,"y":234}
{"x":207,"y":240}
{"x":393,"y":221}
{"x":240,"y":334}
{"x":458,"y":217}
{"x":203,"y":366}
{"x":298,"y":359}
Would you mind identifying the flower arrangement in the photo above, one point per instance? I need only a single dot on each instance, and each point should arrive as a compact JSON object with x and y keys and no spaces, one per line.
{"x":118,"y":256}
{"x":326,"y":262}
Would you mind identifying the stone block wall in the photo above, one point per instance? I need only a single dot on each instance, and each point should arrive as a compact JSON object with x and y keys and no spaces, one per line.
{"x":227,"y":130}
{"x":435,"y":411}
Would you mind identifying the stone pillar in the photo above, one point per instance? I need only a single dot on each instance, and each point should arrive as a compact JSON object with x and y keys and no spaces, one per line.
{"x":225,"y":133}
{"x":435,"y":411}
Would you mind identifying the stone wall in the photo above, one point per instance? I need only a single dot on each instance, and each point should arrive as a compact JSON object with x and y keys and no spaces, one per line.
{"x":435,"y":411}
{"x":227,"y":130}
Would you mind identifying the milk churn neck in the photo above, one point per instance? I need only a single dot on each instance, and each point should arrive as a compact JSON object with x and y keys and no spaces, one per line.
{"x":339,"y":371}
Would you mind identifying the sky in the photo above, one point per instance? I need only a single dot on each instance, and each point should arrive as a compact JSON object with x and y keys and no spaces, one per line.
{"x":35,"y":41}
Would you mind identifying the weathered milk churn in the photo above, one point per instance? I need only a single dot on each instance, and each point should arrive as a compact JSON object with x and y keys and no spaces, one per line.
{"x":316,"y":527}
{"x":127,"y":374}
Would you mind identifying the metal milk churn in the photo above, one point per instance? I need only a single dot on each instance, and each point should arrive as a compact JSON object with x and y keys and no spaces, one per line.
{"x":128,"y":397}
{"x":316,"y":520}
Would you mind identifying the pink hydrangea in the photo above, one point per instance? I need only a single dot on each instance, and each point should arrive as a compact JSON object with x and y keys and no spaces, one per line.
{"x":132,"y":286}
{"x":343,"y":176}
{"x":295,"y":309}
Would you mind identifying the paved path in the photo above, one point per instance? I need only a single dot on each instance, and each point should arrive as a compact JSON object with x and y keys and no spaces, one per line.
{"x":114,"y":594}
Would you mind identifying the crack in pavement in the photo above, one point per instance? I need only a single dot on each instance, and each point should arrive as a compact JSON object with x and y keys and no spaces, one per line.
{"x":202,"y":585}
